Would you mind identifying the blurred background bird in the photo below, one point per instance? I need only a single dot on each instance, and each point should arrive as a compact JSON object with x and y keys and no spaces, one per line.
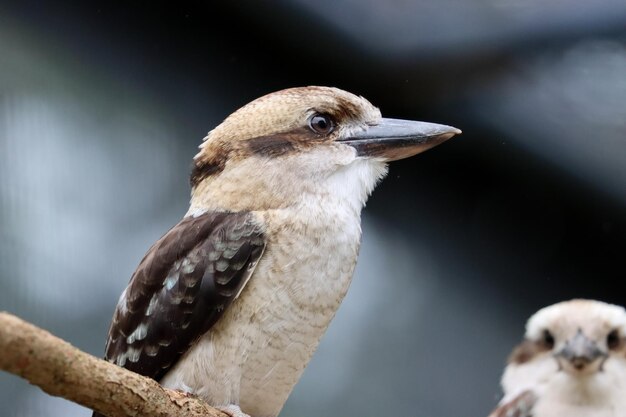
{"x":102,"y":106}
{"x":572,"y":362}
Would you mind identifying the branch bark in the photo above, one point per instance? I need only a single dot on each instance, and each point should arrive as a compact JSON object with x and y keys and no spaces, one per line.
{"x":62,"y":370}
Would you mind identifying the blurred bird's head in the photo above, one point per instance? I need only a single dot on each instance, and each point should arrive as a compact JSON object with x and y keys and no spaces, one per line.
{"x":293,"y":145}
{"x":578,"y":337}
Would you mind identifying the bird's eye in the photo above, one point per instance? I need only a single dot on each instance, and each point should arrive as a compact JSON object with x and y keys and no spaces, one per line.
{"x":321,"y":124}
{"x":612,"y":340}
{"x":548,"y":339}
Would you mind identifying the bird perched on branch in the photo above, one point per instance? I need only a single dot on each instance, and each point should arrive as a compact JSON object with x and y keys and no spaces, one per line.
{"x":571,"y":363}
{"x":231,"y":303}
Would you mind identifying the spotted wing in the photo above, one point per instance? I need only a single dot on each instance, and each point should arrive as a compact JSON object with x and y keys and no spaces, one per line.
{"x":520,"y":406}
{"x":181,"y":288}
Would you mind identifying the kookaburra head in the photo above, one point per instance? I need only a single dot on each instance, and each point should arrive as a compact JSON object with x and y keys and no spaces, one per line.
{"x":231,"y":303}
{"x":572,"y":362}
{"x":303,"y":141}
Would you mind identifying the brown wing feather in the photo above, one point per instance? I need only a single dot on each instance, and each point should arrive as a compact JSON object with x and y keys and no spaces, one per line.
{"x":181,"y":288}
{"x":520,"y":406}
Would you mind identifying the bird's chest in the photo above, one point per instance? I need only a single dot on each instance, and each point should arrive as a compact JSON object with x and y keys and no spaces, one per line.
{"x":549,"y":408}
{"x":256,"y":352}
{"x":282,"y":313}
{"x":595,"y":398}
{"x":310,"y":255}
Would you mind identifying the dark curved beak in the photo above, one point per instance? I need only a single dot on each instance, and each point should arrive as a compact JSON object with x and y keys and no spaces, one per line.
{"x":394,"y":139}
{"x":580,"y":351}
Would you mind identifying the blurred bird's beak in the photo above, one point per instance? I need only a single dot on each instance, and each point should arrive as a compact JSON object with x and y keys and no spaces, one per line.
{"x":394,"y":139}
{"x":580,"y":351}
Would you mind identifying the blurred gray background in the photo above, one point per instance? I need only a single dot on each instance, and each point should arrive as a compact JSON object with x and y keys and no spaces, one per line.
{"x":103,"y":104}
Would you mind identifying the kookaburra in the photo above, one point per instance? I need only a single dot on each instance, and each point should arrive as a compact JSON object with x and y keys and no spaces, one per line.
{"x":572,"y":363}
{"x":231,"y":303}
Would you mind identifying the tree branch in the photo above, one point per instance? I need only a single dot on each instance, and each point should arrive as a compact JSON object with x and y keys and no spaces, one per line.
{"x":62,"y":370}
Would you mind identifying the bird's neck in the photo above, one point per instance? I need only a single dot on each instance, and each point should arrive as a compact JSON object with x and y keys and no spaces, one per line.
{"x":588,"y":390}
{"x":347,"y":187}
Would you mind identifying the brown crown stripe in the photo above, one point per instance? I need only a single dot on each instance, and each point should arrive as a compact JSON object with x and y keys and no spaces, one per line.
{"x":345,"y":110}
{"x":340,"y":108}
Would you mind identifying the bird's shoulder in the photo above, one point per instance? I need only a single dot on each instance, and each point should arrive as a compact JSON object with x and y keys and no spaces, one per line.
{"x":181,"y":288}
